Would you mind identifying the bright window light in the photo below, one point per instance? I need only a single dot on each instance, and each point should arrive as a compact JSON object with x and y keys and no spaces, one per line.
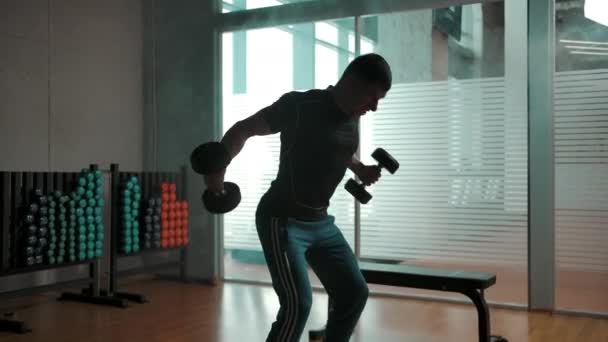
{"x":597,"y":10}
{"x":327,"y":32}
{"x":251,"y":4}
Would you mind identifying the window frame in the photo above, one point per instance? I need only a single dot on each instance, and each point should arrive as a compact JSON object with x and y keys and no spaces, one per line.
{"x":540,"y":24}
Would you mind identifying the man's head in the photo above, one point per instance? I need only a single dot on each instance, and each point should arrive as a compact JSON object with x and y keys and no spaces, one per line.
{"x":365,"y":81}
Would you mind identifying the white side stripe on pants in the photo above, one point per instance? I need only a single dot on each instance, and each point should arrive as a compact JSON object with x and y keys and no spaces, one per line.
{"x":291,"y":316}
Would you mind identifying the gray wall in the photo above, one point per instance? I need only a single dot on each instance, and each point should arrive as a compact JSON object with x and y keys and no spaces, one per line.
{"x":70,"y":84}
{"x":24,"y":91}
{"x":432,"y":56}
{"x":407,"y":36}
{"x":70,"y":92}
{"x":181,"y":110}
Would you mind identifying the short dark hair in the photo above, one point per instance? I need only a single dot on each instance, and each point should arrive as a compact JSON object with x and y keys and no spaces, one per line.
{"x":371,"y":68}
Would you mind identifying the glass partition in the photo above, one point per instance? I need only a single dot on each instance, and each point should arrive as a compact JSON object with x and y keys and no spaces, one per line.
{"x":581,"y":156}
{"x":459,"y":131}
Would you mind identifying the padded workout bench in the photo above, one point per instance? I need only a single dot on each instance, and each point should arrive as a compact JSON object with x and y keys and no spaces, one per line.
{"x":470,"y":284}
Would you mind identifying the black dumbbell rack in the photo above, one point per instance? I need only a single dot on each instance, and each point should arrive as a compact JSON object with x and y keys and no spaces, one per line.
{"x":16,"y":199}
{"x":97,"y":294}
{"x":149,"y":184}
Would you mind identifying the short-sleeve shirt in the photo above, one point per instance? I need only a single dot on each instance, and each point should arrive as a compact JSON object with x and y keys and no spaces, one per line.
{"x":317,"y":142}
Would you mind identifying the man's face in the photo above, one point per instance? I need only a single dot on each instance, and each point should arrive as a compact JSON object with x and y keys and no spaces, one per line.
{"x":366,"y":99}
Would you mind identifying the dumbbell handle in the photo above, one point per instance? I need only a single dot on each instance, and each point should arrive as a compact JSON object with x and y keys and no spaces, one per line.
{"x":220,"y":193}
{"x":357,"y":189}
{"x":224,"y":201}
{"x":357,"y":177}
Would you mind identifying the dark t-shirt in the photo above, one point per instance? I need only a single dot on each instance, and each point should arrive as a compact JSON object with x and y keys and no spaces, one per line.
{"x":317,"y":141}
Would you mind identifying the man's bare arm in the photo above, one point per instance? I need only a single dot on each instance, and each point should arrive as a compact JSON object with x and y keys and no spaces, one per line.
{"x":368,"y":174}
{"x":354,"y":164}
{"x":237,"y":135}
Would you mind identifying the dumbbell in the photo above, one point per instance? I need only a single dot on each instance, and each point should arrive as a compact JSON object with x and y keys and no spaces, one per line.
{"x":210,"y":158}
{"x":384,"y":160}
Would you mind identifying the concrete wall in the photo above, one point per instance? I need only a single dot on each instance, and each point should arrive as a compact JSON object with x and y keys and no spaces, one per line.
{"x":70,"y":84}
{"x":24,"y":91}
{"x":181,"y":111}
{"x":407,"y":36}
{"x":431,"y":55}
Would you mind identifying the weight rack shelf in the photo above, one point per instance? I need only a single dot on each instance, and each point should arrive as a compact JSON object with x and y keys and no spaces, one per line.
{"x":149,"y":183}
{"x":38,"y":268}
{"x":20,"y":192}
{"x":14,"y":196}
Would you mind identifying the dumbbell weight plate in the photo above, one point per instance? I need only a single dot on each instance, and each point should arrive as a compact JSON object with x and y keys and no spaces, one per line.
{"x":34,"y":208}
{"x":209,"y":158}
{"x":225,"y":202}
{"x":29,"y":261}
{"x":29,"y":219}
{"x":32,"y":229}
{"x":32,"y":240}
{"x":42,"y":232}
{"x":358,"y":191}
{"x":385,"y":160}
{"x":43,"y":200}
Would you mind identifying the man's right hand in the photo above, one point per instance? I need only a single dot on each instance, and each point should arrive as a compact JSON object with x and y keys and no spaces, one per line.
{"x":215,"y":182}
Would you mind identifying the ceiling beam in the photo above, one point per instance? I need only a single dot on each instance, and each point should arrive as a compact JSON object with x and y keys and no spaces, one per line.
{"x":311,"y":11}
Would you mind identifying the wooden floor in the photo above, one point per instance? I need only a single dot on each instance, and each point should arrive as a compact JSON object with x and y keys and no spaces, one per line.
{"x":238,"y":312}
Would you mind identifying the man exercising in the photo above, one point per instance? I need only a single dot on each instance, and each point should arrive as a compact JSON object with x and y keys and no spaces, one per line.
{"x":319,"y":137}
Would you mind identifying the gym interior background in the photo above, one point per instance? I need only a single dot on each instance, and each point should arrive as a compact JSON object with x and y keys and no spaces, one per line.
{"x":498,"y":116}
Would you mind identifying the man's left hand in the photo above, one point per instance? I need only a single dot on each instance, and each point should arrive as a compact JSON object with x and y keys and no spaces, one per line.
{"x":368,"y":174}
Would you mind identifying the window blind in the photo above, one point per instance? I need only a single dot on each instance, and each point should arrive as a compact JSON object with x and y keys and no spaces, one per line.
{"x":461,"y":191}
{"x":581,"y":169}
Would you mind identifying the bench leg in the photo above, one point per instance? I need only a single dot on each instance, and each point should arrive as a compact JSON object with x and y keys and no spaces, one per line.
{"x":483,"y":315}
